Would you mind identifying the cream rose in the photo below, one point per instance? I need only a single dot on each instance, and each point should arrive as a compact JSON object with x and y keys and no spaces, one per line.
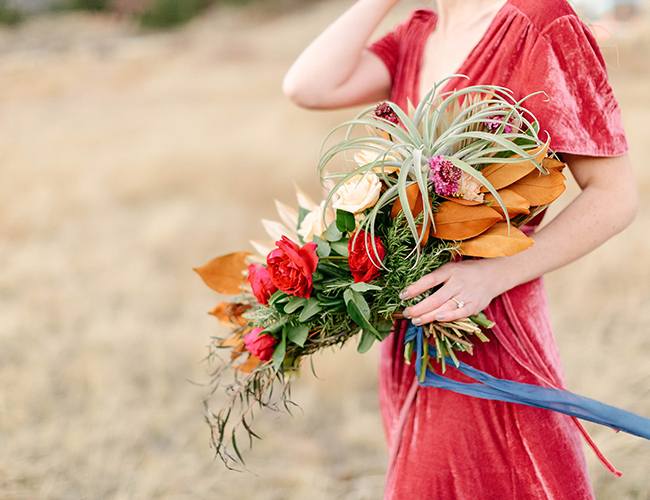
{"x":358,"y":193}
{"x":469,"y":188}
{"x":312,"y":225}
{"x":365,"y":156}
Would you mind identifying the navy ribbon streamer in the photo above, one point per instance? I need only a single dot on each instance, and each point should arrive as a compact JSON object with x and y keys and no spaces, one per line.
{"x":561,"y":401}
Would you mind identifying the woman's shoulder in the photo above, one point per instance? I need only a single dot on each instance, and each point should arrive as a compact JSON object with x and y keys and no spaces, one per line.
{"x":543,"y":15}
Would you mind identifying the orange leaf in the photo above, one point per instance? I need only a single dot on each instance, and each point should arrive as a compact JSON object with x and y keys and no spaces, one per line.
{"x":251,"y":363}
{"x":514,"y":203}
{"x":459,"y":222}
{"x":229,"y":314}
{"x":462,"y":201}
{"x":501,"y":175}
{"x":553,"y":164}
{"x":496,"y":242}
{"x":224,"y":274}
{"x":416,"y":205}
{"x":540,"y":189}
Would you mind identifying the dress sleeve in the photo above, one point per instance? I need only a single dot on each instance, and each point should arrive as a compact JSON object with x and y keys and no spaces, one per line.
{"x":387,"y":48}
{"x":581,"y":113}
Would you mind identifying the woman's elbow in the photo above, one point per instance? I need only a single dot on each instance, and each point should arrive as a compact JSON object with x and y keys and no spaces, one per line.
{"x":300,"y":93}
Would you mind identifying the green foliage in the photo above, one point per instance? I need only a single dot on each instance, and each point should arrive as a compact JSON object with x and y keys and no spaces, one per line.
{"x":88,"y":5}
{"x":9,"y":16}
{"x":171,"y":13}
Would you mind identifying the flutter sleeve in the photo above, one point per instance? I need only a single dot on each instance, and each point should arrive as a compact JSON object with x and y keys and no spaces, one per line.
{"x":581,"y":113}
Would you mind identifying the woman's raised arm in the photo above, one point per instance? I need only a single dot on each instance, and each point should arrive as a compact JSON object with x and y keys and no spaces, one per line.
{"x":335,"y":71}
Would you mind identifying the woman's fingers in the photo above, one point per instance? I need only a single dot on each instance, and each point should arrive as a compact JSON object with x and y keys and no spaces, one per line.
{"x":449,"y":311}
{"x":431,"y":303}
{"x":425,"y":283}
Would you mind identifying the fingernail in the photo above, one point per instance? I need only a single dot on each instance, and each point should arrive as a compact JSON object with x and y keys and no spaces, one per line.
{"x":406,"y":313}
{"x":416,"y":321}
{"x":440,"y":316}
{"x":404,"y":295}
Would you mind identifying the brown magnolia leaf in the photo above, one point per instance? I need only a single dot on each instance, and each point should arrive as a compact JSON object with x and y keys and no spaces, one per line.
{"x":540,"y":189}
{"x":553,"y":164}
{"x":416,"y":205}
{"x":496,"y":242}
{"x":514,"y":203}
{"x":230,"y":315}
{"x":232,"y":340}
{"x":251,"y":363}
{"x":501,"y":175}
{"x":453,"y":221}
{"x":462,"y":201}
{"x":224,"y":274}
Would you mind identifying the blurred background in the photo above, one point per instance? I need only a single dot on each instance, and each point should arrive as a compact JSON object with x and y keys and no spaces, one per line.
{"x":140,"y":139}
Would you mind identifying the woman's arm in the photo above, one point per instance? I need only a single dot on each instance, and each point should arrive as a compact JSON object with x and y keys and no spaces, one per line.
{"x":606,"y":206}
{"x":335,"y":71}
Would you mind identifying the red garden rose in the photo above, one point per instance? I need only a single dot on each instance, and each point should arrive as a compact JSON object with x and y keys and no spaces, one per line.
{"x":291,"y":267}
{"x":261,"y":283}
{"x":262,"y":346}
{"x":365,"y":267}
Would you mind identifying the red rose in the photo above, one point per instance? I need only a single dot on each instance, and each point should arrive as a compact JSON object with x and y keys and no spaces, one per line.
{"x":363,"y":266}
{"x":261,"y":283}
{"x":262,"y":346}
{"x":291,"y":267}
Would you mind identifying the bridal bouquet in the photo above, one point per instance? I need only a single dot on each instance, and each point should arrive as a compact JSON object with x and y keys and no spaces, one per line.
{"x":453,"y":178}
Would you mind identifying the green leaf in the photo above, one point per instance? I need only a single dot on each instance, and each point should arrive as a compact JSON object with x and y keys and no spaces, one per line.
{"x":341,"y":248}
{"x":364,"y":287}
{"x":359,"y":311}
{"x":313,"y":307}
{"x":280,"y":350}
{"x":323,"y":249}
{"x":332,"y":233}
{"x":366,"y":341}
{"x":298,"y":334}
{"x":278,"y":296}
{"x":302,"y":213}
{"x":294,"y":303}
{"x":234,"y":446}
{"x":384,"y":328}
{"x":345,"y":221}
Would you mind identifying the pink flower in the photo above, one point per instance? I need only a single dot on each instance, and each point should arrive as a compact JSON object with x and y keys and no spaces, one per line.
{"x":383,"y":110}
{"x":445,"y":176}
{"x":291,"y":267}
{"x":492,"y":126}
{"x":262,"y":346}
{"x":261,"y":283}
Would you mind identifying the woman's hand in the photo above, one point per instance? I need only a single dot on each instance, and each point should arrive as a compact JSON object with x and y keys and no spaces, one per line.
{"x":467,"y":288}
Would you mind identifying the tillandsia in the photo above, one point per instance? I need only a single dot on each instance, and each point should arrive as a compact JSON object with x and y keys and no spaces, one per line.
{"x":453,"y":178}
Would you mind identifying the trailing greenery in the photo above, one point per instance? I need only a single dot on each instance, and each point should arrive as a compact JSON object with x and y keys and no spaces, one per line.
{"x":9,"y":16}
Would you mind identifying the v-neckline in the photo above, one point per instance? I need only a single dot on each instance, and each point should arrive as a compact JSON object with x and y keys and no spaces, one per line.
{"x":459,"y":71}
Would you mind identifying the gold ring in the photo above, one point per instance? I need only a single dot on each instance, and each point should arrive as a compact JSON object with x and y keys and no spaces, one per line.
{"x":459,"y":303}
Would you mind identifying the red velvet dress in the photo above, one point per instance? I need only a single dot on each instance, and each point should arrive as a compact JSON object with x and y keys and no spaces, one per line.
{"x":448,"y":446}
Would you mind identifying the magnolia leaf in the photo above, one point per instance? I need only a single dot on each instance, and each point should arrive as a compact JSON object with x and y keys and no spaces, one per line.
{"x":553,"y":164}
{"x":501,"y":175}
{"x":462,"y":201}
{"x":230,"y":315}
{"x":414,"y":196}
{"x":515,"y":204}
{"x":459,"y":222}
{"x":251,"y":363}
{"x":298,"y":334}
{"x":366,"y":341}
{"x":233,"y":340}
{"x":497,"y":242}
{"x":540,"y":189}
{"x":224,"y":274}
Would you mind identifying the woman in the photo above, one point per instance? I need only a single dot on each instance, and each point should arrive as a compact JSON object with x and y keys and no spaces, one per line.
{"x":445,"y":445}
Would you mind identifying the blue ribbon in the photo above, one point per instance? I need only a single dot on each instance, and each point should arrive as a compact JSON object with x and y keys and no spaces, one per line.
{"x":561,"y":401}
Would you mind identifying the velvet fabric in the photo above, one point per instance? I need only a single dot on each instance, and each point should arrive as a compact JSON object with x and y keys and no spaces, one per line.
{"x":444,"y":445}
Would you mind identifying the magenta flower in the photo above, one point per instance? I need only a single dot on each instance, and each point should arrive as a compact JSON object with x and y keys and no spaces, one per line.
{"x":383,"y":110}
{"x":445,"y":176}
{"x":492,"y":126}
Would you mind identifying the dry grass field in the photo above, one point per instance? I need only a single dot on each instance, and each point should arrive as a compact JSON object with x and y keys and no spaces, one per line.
{"x":127,"y":159}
